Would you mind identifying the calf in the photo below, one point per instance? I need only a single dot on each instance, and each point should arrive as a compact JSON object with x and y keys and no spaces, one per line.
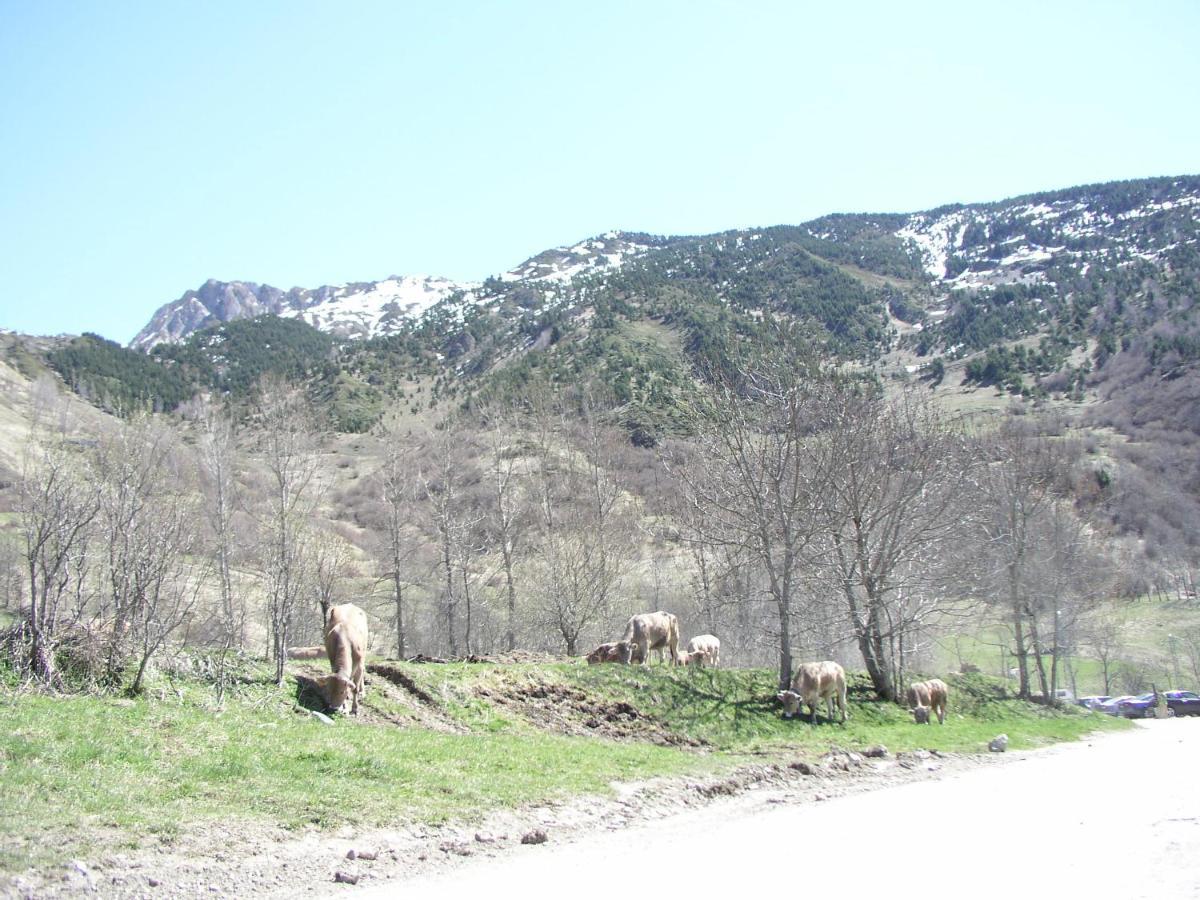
{"x":708,"y":647}
{"x":924,"y":696}
{"x":814,"y":682}
{"x":607,"y":653}
{"x":346,"y":645}
{"x":651,"y":631}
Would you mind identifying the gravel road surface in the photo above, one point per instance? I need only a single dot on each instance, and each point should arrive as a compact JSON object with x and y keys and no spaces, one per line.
{"x":1116,"y":817}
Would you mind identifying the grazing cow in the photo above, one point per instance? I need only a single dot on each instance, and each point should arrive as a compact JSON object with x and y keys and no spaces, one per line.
{"x":814,"y":682}
{"x":924,"y":696}
{"x":651,"y":631}
{"x":683,"y":658}
{"x":346,"y":645}
{"x":708,"y":647}
{"x":607,"y":653}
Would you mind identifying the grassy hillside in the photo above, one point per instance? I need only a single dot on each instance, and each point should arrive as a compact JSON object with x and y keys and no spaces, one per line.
{"x":434,"y":742}
{"x":1151,"y":642}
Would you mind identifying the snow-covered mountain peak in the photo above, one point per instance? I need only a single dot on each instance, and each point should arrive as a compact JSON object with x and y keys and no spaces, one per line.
{"x":606,"y":252}
{"x":366,"y":309}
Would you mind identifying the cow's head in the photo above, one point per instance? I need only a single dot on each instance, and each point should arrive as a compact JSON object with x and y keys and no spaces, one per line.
{"x":600,"y":654}
{"x":790,"y":701}
{"x":336,"y":689}
{"x":920,"y":715}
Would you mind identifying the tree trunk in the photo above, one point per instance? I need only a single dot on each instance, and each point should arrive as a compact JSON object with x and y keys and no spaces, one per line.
{"x":400,"y":648}
{"x":785,"y":646}
{"x":467,"y":600}
{"x":1022,"y":653}
{"x":1038,"y":658}
{"x":510,"y":634}
{"x":450,"y":600}
{"x":871,"y":647}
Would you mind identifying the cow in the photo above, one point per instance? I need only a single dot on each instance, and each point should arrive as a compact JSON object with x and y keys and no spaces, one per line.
{"x":683,"y":658}
{"x":345,"y":645}
{"x":814,"y":682}
{"x":607,"y":653}
{"x":651,"y":631}
{"x":708,"y":647}
{"x":924,"y":696}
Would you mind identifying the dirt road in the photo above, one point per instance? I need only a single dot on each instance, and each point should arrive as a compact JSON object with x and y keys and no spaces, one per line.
{"x":1115,"y":817}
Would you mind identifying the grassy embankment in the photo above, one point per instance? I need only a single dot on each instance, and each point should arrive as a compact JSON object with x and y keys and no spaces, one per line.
{"x":86,"y":774}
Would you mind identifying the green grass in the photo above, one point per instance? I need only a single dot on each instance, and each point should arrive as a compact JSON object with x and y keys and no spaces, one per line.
{"x":84,"y":773}
{"x":76,"y":767}
{"x":1145,"y":649}
{"x":735,"y":710}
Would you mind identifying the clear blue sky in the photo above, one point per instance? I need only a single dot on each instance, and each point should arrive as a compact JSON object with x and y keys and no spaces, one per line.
{"x":147,"y":146}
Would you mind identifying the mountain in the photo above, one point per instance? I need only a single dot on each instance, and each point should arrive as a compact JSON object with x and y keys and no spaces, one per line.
{"x":1084,"y":293}
{"x":366,"y":309}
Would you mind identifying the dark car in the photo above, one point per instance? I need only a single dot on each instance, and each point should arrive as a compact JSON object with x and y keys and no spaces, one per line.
{"x":1112,"y":706}
{"x":1179,"y":703}
{"x":1184,"y":703}
{"x":1143,"y":707}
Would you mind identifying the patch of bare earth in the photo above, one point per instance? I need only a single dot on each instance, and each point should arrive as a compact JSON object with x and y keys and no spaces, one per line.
{"x":237,"y":859}
{"x":566,"y":709}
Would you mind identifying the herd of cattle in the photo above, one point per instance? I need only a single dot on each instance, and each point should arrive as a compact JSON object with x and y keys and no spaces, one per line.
{"x":814,"y":684}
{"x":658,"y":632}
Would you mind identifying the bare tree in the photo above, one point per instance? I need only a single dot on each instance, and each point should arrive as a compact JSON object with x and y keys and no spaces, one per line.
{"x":1102,"y":633}
{"x":505,"y":515}
{"x":755,"y":487}
{"x":1023,"y":475}
{"x":57,"y":505}
{"x":584,"y":533}
{"x":897,"y":474}
{"x":448,"y":473}
{"x":1072,"y":573}
{"x":398,"y":486}
{"x":216,"y":452}
{"x":288,"y":446}
{"x":147,"y":528}
{"x":168,"y":584}
{"x":216,"y":457}
{"x":330,"y":565}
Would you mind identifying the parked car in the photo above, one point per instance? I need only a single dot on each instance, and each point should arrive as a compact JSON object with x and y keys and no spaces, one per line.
{"x":1112,"y":705}
{"x":1142,"y":707}
{"x":1092,"y":702}
{"x":1183,"y":703}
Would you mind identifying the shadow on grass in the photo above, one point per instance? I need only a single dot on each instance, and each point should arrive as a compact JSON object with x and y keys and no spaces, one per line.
{"x":308,"y":694}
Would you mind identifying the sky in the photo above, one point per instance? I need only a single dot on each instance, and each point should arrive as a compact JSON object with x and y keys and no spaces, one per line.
{"x":148,"y":146}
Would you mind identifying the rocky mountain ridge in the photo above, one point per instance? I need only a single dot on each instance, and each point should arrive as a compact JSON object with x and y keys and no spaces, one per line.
{"x":1037,"y":242}
{"x":371,"y":309}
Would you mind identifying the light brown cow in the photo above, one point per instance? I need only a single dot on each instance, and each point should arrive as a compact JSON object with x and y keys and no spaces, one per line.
{"x":814,"y":682}
{"x":651,"y":631}
{"x":924,"y":696}
{"x":607,"y":653}
{"x":708,"y":647}
{"x":346,"y":645}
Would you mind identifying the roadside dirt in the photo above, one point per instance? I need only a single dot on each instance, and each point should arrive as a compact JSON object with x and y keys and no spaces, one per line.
{"x":565,"y":709}
{"x":232,"y":859}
